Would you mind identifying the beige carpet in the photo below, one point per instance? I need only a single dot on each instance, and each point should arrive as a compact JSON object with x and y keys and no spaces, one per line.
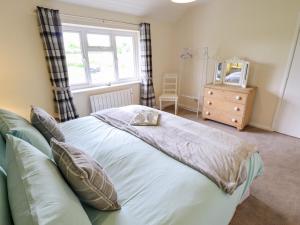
{"x":275,"y":197}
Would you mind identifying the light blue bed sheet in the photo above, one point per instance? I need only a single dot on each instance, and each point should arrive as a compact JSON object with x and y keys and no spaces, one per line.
{"x":152,"y":187}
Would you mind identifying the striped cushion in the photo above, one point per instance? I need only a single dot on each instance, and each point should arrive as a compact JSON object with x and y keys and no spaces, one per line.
{"x":46,"y":124}
{"x":85,"y":176}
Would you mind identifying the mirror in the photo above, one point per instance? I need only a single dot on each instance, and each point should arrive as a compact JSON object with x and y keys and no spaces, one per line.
{"x":232,"y":72}
{"x":218,"y":73}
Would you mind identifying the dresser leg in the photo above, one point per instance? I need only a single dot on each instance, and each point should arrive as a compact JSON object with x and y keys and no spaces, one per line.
{"x":240,"y":128}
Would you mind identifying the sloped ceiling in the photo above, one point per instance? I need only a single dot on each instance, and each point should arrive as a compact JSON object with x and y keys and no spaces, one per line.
{"x":157,"y":9}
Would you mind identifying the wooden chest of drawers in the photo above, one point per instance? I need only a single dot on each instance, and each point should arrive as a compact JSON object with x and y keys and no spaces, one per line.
{"x":228,"y":104}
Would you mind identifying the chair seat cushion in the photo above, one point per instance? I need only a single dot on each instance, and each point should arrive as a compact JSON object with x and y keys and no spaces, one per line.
{"x":37,"y":192}
{"x":169,"y":96}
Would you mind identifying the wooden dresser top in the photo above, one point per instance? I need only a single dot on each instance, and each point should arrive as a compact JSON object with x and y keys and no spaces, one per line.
{"x":231,"y":88}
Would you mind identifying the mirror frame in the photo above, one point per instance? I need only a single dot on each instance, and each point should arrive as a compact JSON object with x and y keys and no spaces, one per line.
{"x":216,"y":81}
{"x":244,"y":72}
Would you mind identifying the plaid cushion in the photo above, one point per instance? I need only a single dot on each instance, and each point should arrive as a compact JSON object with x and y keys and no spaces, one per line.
{"x":46,"y":124}
{"x":86,"y":177}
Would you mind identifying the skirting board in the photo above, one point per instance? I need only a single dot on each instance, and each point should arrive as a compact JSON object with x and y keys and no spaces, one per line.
{"x":261,"y":126}
{"x":188,"y":108}
{"x":253,"y":124}
{"x":179,"y":106}
{"x":165,"y":105}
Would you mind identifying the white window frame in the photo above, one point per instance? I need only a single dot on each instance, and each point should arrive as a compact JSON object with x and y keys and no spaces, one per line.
{"x":83,"y":31}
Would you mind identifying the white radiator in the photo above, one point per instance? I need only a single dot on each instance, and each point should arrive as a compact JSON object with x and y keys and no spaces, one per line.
{"x":111,"y":100}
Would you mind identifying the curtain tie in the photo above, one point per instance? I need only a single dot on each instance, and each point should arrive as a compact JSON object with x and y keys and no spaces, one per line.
{"x":60,"y":88}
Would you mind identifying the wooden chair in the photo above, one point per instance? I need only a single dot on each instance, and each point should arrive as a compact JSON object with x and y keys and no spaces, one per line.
{"x":170,"y":85}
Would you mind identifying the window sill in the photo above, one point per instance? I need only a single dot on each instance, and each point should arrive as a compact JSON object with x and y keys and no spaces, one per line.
{"x":82,"y":90}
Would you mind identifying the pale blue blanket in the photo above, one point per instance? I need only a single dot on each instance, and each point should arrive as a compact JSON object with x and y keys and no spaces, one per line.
{"x":152,"y":187}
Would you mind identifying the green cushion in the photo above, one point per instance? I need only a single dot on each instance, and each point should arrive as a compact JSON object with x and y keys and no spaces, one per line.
{"x":36,"y":190}
{"x":10,"y":120}
{"x":2,"y":153}
{"x":11,"y":123}
{"x":5,"y":217}
{"x":33,"y":137}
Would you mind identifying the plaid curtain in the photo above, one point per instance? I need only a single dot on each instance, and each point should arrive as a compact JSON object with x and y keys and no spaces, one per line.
{"x":147,"y":90}
{"x":52,"y":36}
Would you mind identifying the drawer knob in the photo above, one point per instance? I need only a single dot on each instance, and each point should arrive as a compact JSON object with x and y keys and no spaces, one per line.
{"x":237,"y":109}
{"x":210,"y":93}
{"x":238,"y":98}
{"x":209,"y":102}
{"x":234,"y":120}
{"x":208,"y":113}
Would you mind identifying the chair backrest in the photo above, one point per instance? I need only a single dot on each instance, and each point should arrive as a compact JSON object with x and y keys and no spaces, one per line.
{"x":170,"y":83}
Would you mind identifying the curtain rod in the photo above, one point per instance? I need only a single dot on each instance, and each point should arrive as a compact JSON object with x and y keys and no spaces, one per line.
{"x":100,"y":19}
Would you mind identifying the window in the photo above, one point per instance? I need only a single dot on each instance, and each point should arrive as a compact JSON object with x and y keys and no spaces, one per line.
{"x":98,"y":57}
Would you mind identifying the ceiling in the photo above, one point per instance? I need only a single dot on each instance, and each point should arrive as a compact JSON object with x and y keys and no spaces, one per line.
{"x":158,"y":9}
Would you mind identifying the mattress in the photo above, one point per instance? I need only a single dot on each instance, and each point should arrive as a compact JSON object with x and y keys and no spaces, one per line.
{"x":152,"y":187}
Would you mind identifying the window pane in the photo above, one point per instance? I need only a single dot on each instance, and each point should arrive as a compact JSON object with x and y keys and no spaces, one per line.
{"x":102,"y":68}
{"x":98,"y":40}
{"x":125,"y":55}
{"x":74,"y":58}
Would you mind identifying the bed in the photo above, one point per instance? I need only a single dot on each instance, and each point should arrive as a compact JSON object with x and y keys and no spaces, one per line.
{"x":152,"y":187}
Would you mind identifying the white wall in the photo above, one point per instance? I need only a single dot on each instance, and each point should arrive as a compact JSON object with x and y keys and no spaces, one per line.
{"x":259,"y":31}
{"x":82,"y":98}
{"x":23,"y":70}
{"x":24,"y":78}
{"x":163,"y":52}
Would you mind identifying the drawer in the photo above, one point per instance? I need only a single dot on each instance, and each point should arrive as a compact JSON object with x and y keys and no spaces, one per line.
{"x":223,"y":117}
{"x":231,"y":96}
{"x":229,"y":107}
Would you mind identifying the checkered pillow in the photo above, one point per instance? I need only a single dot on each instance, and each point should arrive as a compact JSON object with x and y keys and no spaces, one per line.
{"x":46,"y":124}
{"x":85,"y":176}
